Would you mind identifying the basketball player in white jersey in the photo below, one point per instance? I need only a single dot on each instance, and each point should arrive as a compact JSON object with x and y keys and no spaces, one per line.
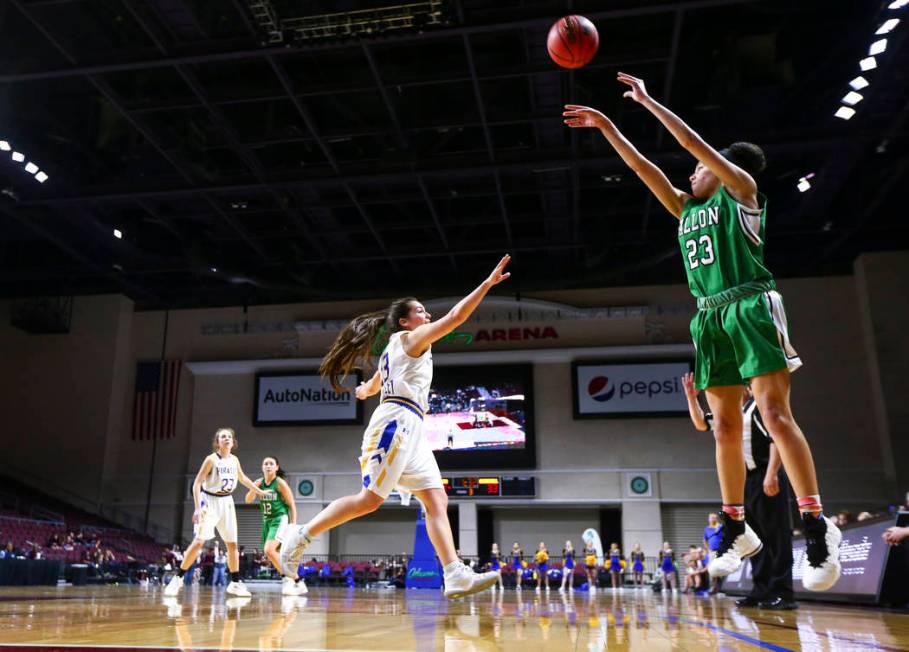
{"x":212,"y":489}
{"x":394,"y":451}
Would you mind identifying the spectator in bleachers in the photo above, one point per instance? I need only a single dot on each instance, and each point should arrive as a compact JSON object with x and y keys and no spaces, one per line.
{"x":843,"y":518}
{"x":9,"y":551}
{"x":691,"y":559}
{"x":244,"y":563}
{"x":219,"y":577}
{"x":207,"y":565}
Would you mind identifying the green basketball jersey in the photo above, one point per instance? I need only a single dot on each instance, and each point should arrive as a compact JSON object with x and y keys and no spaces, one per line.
{"x":722,"y":243}
{"x":272,"y":505}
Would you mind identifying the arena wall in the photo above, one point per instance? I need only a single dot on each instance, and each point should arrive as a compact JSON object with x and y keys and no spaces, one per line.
{"x":68,"y":402}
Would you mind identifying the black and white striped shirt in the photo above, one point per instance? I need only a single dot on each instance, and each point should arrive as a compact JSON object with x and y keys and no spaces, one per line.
{"x":755,"y":438}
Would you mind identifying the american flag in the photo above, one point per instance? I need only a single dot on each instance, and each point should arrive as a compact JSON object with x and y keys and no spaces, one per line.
{"x":155,"y":402}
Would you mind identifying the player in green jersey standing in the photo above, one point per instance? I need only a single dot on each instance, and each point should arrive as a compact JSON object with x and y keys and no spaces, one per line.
{"x":277,"y":506}
{"x":740,"y":331}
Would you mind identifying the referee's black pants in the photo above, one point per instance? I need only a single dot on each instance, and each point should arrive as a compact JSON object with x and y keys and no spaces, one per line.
{"x":768,"y":516}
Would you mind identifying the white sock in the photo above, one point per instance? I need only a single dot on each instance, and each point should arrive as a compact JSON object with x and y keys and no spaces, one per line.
{"x":304,"y":532}
{"x":450,"y":568}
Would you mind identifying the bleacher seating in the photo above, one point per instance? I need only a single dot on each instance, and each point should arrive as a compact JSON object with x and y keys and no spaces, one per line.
{"x":28,"y":517}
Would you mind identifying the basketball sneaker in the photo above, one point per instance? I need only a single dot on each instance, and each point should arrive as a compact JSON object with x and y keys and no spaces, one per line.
{"x":238,"y":589}
{"x":739,"y":543}
{"x":462,"y":581}
{"x":292,"y":549}
{"x":291,"y":587}
{"x":173,"y":586}
{"x":822,"y":554}
{"x":174,"y":609}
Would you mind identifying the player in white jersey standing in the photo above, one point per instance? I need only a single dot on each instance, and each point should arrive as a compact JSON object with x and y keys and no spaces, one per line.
{"x":394,"y":452}
{"x":212,"y":489}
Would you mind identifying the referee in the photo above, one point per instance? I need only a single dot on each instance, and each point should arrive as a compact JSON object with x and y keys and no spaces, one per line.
{"x":767,"y":501}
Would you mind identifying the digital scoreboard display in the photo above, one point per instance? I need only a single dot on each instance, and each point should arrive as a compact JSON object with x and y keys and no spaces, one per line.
{"x":490,"y":486}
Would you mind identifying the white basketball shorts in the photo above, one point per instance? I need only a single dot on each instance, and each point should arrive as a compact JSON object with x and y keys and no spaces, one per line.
{"x":217,"y":512}
{"x":395,"y":453}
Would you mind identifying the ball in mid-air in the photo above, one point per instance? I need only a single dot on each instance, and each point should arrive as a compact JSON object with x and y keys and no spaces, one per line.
{"x":572,"y":41}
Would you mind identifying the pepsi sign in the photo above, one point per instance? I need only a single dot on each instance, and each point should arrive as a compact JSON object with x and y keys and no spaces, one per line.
{"x":629,"y":389}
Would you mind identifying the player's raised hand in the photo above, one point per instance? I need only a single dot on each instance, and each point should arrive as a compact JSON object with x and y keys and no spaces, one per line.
{"x":688,"y":384}
{"x":577,"y":115}
{"x":499,"y":274}
{"x":638,"y":91}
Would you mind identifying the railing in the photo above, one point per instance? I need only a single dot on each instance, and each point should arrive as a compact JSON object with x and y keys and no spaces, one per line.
{"x":34,"y":521}
{"x":46,"y":514}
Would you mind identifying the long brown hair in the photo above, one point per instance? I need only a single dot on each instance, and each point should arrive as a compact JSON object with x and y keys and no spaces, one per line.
{"x":354,"y":345}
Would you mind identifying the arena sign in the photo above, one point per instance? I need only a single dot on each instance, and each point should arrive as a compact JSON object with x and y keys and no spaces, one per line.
{"x":303,"y":398}
{"x":629,"y":389}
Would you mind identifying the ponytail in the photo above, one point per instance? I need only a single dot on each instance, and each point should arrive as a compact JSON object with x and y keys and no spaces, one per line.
{"x":359,"y":339}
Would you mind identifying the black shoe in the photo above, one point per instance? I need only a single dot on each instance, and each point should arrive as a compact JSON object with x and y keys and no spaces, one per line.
{"x":747,"y":601}
{"x":779,"y":604}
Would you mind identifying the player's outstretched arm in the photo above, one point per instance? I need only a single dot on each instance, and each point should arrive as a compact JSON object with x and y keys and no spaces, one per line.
{"x":249,"y":484}
{"x":251,"y":495}
{"x":670,"y":197}
{"x":737,"y":181}
{"x":694,"y":408}
{"x":369,"y":387}
{"x":419,"y":339}
{"x":288,"y":497}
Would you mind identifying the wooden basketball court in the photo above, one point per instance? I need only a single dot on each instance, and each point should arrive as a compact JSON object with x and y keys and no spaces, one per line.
{"x":388,"y":619}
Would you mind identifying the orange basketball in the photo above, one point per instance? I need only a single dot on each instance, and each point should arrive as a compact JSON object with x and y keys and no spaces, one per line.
{"x":572,"y":41}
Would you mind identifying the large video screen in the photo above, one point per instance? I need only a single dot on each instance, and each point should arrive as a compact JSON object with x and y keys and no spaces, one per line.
{"x":481,"y":417}
{"x":863,"y":555}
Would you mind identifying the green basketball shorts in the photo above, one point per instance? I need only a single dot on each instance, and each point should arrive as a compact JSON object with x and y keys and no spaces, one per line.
{"x":742,"y":339}
{"x":270,"y":527}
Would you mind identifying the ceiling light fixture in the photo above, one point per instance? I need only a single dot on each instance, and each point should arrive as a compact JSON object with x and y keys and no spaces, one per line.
{"x":887,"y":27}
{"x":844,"y":112}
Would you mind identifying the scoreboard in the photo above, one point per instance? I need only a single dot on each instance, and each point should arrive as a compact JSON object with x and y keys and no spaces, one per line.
{"x":490,"y":486}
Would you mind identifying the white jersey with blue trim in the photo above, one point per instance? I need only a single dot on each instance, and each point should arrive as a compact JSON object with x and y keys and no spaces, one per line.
{"x":222,"y":479}
{"x":403,"y":376}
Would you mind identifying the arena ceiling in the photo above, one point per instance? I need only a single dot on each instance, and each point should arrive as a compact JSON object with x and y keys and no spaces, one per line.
{"x":256,"y":151}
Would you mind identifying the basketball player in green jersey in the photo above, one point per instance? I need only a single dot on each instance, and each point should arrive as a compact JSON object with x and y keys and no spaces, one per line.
{"x":277,"y":506}
{"x":740,"y":331}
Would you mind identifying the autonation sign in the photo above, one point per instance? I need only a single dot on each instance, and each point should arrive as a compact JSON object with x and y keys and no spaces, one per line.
{"x":302,"y":398}
{"x":629,"y":389}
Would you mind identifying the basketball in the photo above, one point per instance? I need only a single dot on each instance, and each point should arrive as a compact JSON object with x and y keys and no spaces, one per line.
{"x":572,"y":41}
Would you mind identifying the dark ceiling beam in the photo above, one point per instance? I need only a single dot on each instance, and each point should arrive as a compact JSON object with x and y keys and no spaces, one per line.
{"x":426,"y":35}
{"x":490,"y":146}
{"x":434,"y":215}
{"x":310,"y":123}
{"x":20,"y":216}
{"x":383,"y":92}
{"x":340,"y":89}
{"x":664,"y":99}
{"x":146,"y":133}
{"x":781,"y":146}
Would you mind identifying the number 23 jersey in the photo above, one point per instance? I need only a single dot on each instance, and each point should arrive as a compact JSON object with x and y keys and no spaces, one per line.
{"x":722,"y":243}
{"x":222,"y":479}
{"x":403,"y":375}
